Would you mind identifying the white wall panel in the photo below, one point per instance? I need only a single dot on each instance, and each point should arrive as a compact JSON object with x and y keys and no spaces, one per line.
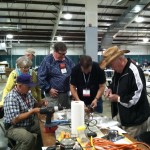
{"x":137,"y":49}
{"x":134,"y":50}
{"x":21,"y":50}
{"x":45,"y":50}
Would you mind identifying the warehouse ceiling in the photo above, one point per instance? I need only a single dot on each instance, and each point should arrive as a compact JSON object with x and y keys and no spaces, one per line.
{"x":42,"y":21}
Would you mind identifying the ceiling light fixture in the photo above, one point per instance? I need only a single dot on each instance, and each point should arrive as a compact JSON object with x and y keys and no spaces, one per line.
{"x":68,"y":16}
{"x":137,"y":8}
{"x":59,"y":38}
{"x":9,"y":36}
{"x":139,"y":19}
{"x":120,"y":2}
{"x":145,"y":40}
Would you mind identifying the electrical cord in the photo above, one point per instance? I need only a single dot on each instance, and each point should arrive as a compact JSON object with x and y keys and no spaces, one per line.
{"x":90,"y":123}
{"x":104,"y":144}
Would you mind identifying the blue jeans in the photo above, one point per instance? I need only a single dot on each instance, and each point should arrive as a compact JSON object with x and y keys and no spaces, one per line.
{"x":99,"y":107}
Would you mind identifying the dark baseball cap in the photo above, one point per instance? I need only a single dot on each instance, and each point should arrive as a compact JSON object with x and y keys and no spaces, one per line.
{"x":26,"y":79}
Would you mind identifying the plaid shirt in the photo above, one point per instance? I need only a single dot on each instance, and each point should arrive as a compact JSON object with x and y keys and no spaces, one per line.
{"x":16,"y":104}
{"x":50,"y":75}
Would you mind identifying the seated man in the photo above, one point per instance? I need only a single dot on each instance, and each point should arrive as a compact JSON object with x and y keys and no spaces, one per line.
{"x":19,"y":113}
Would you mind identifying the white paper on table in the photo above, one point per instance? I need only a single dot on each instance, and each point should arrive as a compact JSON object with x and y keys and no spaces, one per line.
{"x":147,"y":84}
{"x":123,"y":141}
{"x":60,"y":116}
{"x":44,"y":148}
{"x":120,"y":131}
{"x":108,"y":123}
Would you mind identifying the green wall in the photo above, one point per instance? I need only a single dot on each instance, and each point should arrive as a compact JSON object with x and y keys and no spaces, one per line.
{"x":12,"y":61}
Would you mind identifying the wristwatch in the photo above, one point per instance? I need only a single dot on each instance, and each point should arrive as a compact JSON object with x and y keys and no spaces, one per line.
{"x":118,"y":100}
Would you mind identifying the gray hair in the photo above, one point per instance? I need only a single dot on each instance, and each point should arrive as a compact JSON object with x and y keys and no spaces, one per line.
{"x":30,"y":51}
{"x":23,"y":62}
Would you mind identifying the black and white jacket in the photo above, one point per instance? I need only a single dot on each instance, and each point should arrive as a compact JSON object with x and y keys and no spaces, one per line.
{"x":130,"y":85}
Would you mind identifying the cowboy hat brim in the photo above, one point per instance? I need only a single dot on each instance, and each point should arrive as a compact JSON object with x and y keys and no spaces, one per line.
{"x":106,"y":61}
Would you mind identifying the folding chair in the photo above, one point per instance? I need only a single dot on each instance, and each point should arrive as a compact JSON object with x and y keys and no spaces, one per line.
{"x":11,"y":143}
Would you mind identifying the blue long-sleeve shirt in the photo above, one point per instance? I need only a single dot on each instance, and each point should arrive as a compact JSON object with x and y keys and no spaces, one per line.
{"x":50,"y":75}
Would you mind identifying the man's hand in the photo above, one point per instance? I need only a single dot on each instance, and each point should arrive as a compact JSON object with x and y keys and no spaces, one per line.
{"x":35,"y":110}
{"x":108,"y":92}
{"x":53,"y":92}
{"x":86,"y":109}
{"x":43,"y":102}
{"x":94,"y":103}
{"x":113,"y":97}
{"x":25,"y":115}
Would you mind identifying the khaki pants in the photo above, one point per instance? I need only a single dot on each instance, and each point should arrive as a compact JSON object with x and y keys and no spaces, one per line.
{"x":135,"y":130}
{"x":61,"y":100}
{"x":148,"y":124}
{"x":24,"y":137}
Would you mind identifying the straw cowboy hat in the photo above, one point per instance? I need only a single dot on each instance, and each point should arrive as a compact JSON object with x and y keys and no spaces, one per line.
{"x":111,"y":54}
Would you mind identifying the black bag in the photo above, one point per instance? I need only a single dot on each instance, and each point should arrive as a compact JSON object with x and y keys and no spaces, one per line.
{"x":144,"y":137}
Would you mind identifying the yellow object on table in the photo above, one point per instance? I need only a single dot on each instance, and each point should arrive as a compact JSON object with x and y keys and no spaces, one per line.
{"x":82,"y":139}
{"x":63,"y":135}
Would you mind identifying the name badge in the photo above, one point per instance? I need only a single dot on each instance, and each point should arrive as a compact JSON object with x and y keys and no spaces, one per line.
{"x":86,"y":92}
{"x":64,"y":70}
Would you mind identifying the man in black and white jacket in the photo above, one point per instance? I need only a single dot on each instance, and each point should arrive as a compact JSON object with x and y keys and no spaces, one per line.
{"x":127,"y":92}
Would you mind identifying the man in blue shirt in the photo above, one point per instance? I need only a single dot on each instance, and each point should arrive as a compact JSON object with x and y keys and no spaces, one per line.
{"x":54,"y":76}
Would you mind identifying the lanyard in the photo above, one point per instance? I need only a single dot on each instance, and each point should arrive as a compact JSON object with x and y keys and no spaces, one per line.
{"x":86,"y":81}
{"x":24,"y":98}
{"x":26,"y":101}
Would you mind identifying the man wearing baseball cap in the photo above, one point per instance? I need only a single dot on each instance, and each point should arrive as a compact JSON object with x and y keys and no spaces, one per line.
{"x":30,"y":53}
{"x":19,"y":110}
{"x":127,"y":92}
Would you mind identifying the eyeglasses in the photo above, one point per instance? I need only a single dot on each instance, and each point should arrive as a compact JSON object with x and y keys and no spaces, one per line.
{"x":62,"y":53}
{"x":25,"y":68}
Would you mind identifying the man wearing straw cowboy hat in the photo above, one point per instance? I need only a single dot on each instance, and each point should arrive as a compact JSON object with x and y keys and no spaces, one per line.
{"x":127,"y":92}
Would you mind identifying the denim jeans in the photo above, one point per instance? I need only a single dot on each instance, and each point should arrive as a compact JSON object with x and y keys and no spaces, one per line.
{"x":99,"y":107}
